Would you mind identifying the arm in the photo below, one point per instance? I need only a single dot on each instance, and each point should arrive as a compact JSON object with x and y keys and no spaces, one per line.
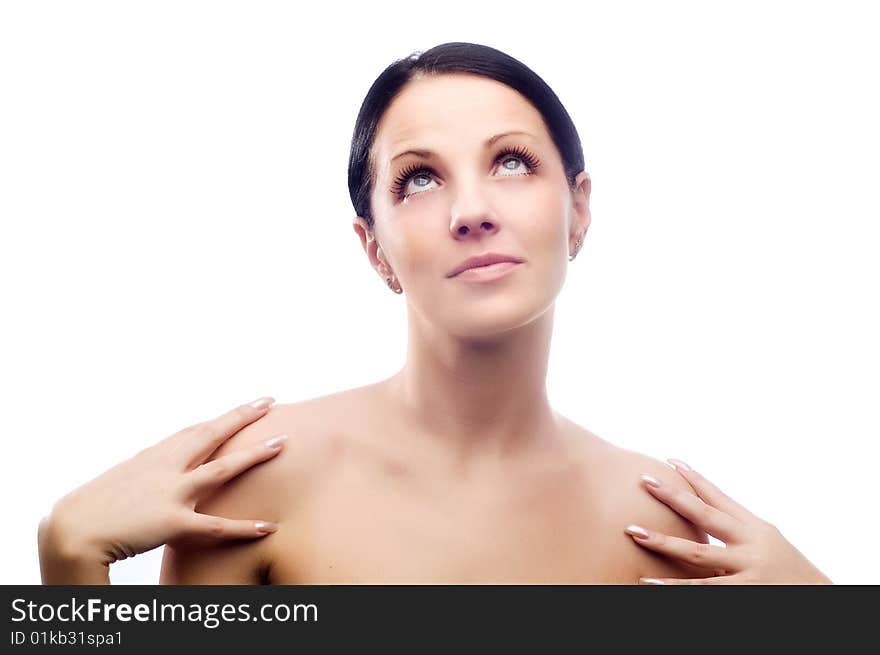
{"x":64,"y":564}
{"x":66,"y":560}
{"x":257,"y":492}
{"x":752,"y":550}
{"x":147,"y":500}
{"x":210,"y":564}
{"x":647,"y":512}
{"x":213,"y":562}
{"x":665,"y":520}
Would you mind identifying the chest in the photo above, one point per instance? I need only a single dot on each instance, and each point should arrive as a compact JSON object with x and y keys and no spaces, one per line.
{"x":394,"y":527}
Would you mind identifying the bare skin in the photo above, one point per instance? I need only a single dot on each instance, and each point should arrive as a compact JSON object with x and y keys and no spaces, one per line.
{"x":147,"y":500}
{"x":361,"y":499}
{"x":456,"y":469}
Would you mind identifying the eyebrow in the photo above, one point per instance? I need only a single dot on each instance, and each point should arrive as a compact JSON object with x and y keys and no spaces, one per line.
{"x":488,"y":143}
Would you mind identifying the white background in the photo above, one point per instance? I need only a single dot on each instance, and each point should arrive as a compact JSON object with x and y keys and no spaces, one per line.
{"x":176,"y":237}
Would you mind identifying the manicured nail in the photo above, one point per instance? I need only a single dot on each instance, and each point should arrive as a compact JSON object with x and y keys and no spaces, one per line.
{"x":678,"y":464}
{"x":262,"y":403}
{"x":265,"y":527}
{"x":654,"y":482}
{"x":275,"y":442}
{"x":637,"y":531}
{"x":650,"y":581}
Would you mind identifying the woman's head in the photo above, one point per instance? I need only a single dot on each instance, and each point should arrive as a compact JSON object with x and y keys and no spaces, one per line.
{"x":524,"y":194}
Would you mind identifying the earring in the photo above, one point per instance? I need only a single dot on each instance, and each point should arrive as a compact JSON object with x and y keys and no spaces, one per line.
{"x":577,"y":247}
{"x":390,"y":283}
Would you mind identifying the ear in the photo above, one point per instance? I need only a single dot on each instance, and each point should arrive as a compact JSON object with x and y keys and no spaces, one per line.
{"x":371,"y":246}
{"x":580,"y":218}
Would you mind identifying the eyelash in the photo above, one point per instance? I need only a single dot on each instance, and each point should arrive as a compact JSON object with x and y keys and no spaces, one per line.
{"x":413,"y":170}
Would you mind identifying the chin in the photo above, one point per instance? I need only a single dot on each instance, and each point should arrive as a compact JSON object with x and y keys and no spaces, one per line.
{"x":491,"y":318}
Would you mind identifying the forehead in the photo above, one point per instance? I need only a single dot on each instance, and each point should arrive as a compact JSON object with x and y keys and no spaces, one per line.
{"x":437,"y":112}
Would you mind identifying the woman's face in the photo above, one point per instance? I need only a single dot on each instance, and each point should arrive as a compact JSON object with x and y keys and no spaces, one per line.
{"x":431,"y":212}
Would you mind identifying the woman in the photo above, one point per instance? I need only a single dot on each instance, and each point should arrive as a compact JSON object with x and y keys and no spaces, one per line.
{"x":467,"y":177}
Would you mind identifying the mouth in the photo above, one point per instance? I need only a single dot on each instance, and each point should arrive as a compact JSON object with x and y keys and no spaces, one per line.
{"x":487,"y":272}
{"x":482,"y":261}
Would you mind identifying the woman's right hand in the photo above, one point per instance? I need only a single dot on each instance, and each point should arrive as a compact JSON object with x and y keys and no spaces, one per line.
{"x":149,"y":499}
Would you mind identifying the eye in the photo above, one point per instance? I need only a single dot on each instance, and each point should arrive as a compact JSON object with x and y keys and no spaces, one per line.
{"x":512,"y":159}
{"x":421,"y":172}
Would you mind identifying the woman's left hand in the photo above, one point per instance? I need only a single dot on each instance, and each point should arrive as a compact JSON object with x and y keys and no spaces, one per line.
{"x":755,"y":552}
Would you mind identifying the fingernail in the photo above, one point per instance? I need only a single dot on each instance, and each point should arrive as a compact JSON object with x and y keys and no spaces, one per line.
{"x":654,"y":482}
{"x":637,"y":531}
{"x":677,"y":463}
{"x":650,"y":581}
{"x":275,"y":442}
{"x":265,"y":526}
{"x":262,"y":403}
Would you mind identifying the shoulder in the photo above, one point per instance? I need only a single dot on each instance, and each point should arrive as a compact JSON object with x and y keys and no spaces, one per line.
{"x":276,"y":490}
{"x":635,"y":504}
{"x":318,"y":431}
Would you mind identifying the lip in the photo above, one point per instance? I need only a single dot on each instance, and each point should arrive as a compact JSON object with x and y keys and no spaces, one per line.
{"x":487,"y":273}
{"x":484,"y":260}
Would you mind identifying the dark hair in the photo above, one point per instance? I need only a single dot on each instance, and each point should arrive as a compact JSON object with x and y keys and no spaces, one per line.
{"x":455,"y":57}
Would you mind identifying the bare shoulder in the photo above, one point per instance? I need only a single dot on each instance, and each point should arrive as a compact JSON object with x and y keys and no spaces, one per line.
{"x":634,"y":504}
{"x":274,"y":490}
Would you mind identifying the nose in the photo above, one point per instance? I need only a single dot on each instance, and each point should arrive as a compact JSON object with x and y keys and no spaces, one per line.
{"x":463,"y":226}
{"x":472,"y":222}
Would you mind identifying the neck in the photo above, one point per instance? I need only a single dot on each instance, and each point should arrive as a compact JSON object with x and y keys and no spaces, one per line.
{"x":477,"y":397}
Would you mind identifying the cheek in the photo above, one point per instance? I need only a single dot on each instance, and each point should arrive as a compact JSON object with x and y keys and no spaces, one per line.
{"x":545,"y":229}
{"x":415,"y":249}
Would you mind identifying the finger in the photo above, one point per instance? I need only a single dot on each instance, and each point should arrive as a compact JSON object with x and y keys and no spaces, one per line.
{"x":707,"y":556}
{"x":717,"y":580}
{"x":219,"y":471}
{"x":204,"y":438}
{"x":710,"y":519}
{"x":710,"y":493}
{"x":218,"y":527}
